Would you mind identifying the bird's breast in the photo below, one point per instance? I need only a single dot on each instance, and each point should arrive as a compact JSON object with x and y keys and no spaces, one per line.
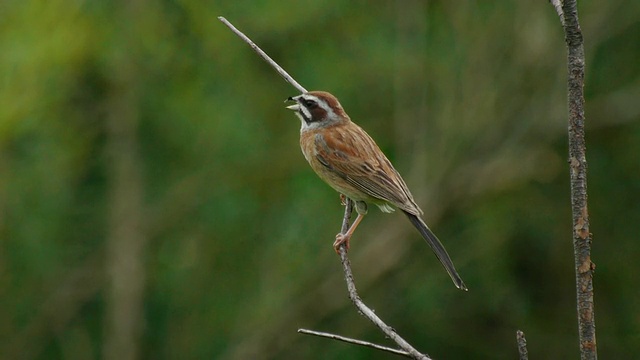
{"x":308,"y":144}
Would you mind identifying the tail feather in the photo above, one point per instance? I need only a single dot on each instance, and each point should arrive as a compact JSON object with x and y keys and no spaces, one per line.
{"x":437,"y":248}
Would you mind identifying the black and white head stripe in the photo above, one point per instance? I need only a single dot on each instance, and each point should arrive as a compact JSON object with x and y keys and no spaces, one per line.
{"x":317,"y":108}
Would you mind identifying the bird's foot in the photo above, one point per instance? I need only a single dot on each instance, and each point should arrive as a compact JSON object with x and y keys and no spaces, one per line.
{"x":343,"y":200}
{"x":341,"y":239}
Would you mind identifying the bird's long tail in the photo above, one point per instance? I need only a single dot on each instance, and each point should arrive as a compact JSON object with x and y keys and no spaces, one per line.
{"x":437,"y":248}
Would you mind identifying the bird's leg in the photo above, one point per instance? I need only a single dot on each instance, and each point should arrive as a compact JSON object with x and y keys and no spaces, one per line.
{"x":343,"y":200}
{"x":344,"y":238}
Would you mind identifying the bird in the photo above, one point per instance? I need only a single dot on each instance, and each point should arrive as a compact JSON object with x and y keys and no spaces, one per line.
{"x":343,"y":155}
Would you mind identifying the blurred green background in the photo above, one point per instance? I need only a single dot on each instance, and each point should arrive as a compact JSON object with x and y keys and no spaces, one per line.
{"x":155,"y":204}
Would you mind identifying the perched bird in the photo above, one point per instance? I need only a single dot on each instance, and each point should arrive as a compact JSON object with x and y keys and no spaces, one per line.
{"x":348,"y":159}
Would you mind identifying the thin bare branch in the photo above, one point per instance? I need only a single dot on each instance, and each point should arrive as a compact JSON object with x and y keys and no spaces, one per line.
{"x":355,"y":298}
{"x":263,"y":55}
{"x":557,"y":4}
{"x":362,"y":308}
{"x":522,"y":346}
{"x":354,"y":341}
{"x":348,"y":209}
{"x":353,"y":294}
{"x":584,"y":267}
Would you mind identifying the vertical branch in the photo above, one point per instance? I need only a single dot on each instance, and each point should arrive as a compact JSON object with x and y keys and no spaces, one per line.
{"x":578,"y":169}
{"x":523,"y":354}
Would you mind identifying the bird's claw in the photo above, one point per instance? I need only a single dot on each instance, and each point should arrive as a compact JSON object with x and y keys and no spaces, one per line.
{"x":343,"y":200}
{"x":341,"y":239}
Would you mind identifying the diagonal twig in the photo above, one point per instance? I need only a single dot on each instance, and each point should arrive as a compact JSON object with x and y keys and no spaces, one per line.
{"x":264,"y":55}
{"x":557,"y":4}
{"x":355,"y":298}
{"x":346,"y":265}
{"x":354,"y":341}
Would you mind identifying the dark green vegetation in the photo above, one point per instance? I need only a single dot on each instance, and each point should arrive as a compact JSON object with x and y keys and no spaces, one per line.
{"x":148,"y":129}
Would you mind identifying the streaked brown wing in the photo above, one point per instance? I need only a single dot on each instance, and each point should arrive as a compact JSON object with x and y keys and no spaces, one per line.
{"x":351,"y":153}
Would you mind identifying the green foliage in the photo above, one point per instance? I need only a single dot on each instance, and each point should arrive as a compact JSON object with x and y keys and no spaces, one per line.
{"x":468,"y":99}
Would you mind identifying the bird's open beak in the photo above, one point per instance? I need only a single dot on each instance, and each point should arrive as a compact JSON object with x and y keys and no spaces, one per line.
{"x":294,"y":107}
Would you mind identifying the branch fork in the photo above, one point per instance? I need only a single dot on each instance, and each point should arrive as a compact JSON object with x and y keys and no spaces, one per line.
{"x":406,"y":348}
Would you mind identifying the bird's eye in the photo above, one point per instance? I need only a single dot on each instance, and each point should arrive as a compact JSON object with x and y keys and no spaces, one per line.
{"x":309,"y":104}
